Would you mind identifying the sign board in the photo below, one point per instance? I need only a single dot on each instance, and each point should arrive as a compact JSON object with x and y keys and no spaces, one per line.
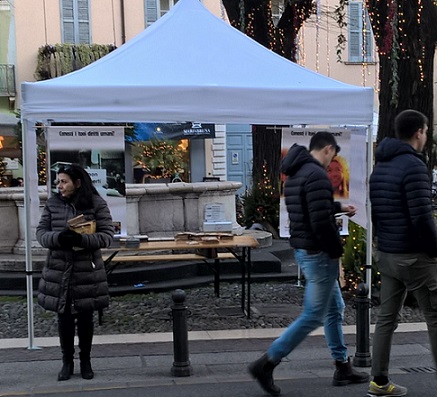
{"x":11,"y":164}
{"x":347,"y":172}
{"x":100,"y":151}
{"x":214,"y":212}
{"x":215,"y":220}
{"x":173,"y":131}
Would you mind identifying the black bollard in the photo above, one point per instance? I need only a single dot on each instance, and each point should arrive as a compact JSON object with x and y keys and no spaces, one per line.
{"x":181,"y":365}
{"x":362,"y":304}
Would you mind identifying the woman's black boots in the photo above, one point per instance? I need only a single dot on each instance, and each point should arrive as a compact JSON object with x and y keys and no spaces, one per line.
{"x":66,"y":370}
{"x":85,"y":369}
{"x":66,"y":338}
{"x":85,"y":332}
{"x":262,"y":371}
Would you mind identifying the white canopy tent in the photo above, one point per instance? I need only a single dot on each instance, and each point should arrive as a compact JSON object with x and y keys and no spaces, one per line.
{"x":188,"y":66}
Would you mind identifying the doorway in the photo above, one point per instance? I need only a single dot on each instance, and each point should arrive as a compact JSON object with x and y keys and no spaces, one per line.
{"x":239,"y":155}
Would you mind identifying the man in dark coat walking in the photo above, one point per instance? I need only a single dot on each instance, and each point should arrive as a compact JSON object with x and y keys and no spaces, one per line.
{"x":317,"y":245}
{"x":400,"y":195}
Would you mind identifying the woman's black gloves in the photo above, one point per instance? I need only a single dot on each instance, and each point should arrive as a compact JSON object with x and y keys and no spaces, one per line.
{"x":68,"y":239}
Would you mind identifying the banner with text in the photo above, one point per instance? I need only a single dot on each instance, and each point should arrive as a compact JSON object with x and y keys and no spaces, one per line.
{"x":100,"y":151}
{"x":347,"y":171}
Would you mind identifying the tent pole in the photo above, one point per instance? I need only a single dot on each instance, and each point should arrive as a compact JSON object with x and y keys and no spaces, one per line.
{"x":369,"y":231}
{"x":27,"y":166}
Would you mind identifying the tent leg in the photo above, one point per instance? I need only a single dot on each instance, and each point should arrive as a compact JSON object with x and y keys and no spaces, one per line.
{"x":369,"y":231}
{"x":30,"y":344}
{"x":30,"y":189}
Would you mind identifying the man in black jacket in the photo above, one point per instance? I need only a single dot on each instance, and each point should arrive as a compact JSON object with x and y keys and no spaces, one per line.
{"x":400,"y":194}
{"x":316,"y":241}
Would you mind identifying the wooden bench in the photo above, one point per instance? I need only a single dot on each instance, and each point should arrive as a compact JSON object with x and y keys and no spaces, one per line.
{"x":166,"y":257}
{"x":209,"y":252}
{"x":113,"y":260}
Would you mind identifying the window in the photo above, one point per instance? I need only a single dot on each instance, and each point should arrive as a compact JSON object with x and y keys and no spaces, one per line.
{"x":277,"y":10}
{"x":360,"y":42}
{"x":75,"y":16}
{"x":157,"y":8}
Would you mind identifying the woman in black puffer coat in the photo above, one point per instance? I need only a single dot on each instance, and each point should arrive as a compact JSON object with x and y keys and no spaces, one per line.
{"x":73,"y":281}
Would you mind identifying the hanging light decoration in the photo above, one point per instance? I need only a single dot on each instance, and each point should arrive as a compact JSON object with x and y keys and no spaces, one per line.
{"x":328,"y":65}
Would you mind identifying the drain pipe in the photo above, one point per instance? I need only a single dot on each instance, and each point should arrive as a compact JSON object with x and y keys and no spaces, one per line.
{"x":123,"y":22}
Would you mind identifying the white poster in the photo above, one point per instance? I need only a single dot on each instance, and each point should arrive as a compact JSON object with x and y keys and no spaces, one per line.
{"x":358,"y":180}
{"x":345,"y":171}
{"x":100,"y":151}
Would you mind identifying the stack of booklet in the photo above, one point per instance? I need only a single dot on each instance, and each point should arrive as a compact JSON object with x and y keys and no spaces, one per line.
{"x":79,"y":224}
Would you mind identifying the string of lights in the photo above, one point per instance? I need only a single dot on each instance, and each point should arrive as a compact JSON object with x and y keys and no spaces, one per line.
{"x":328,"y":65}
{"x":317,"y":35}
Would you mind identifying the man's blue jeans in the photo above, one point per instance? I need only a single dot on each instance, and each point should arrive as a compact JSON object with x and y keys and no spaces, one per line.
{"x":323,"y":305}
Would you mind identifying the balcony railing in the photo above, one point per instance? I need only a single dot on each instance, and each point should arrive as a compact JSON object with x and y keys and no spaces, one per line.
{"x":7,"y":80}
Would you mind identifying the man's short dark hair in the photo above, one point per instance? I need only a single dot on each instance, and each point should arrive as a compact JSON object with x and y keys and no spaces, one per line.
{"x":322,"y":139}
{"x":408,"y":122}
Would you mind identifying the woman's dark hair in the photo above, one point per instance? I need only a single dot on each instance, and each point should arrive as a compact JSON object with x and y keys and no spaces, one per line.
{"x":83,"y":195}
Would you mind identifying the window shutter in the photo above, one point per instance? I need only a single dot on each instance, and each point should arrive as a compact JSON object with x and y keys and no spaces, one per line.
{"x":151,"y":11}
{"x":84,"y":33}
{"x":356,"y":34}
{"x":67,"y":9}
{"x":67,"y":21}
{"x":355,"y":53}
{"x":76,"y":21}
{"x":369,"y":40}
{"x":83,"y":21}
{"x":69,"y":32}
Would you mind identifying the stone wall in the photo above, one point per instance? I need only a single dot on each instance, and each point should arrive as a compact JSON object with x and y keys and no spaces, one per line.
{"x":153,"y":209}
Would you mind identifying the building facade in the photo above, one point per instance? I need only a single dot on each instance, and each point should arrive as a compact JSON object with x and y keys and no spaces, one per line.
{"x":28,"y":26}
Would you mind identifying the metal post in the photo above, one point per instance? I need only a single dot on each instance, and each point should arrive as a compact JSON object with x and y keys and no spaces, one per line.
{"x":31,"y":207}
{"x":362,"y":304}
{"x":299,"y":277}
{"x":181,"y":365}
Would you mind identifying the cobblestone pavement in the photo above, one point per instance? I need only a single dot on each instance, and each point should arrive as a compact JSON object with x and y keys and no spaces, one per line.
{"x":274,"y":305}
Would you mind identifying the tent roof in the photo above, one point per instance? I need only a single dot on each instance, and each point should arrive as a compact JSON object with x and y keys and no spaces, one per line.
{"x":192,"y":66}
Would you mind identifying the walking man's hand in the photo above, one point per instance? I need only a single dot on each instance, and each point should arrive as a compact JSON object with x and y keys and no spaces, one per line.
{"x":349,"y":209}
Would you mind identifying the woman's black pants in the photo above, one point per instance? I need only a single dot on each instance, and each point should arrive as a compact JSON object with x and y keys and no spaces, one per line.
{"x":85,"y":331}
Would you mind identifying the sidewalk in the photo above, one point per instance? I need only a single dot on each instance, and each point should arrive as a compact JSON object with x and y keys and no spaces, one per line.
{"x":140,"y":364}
